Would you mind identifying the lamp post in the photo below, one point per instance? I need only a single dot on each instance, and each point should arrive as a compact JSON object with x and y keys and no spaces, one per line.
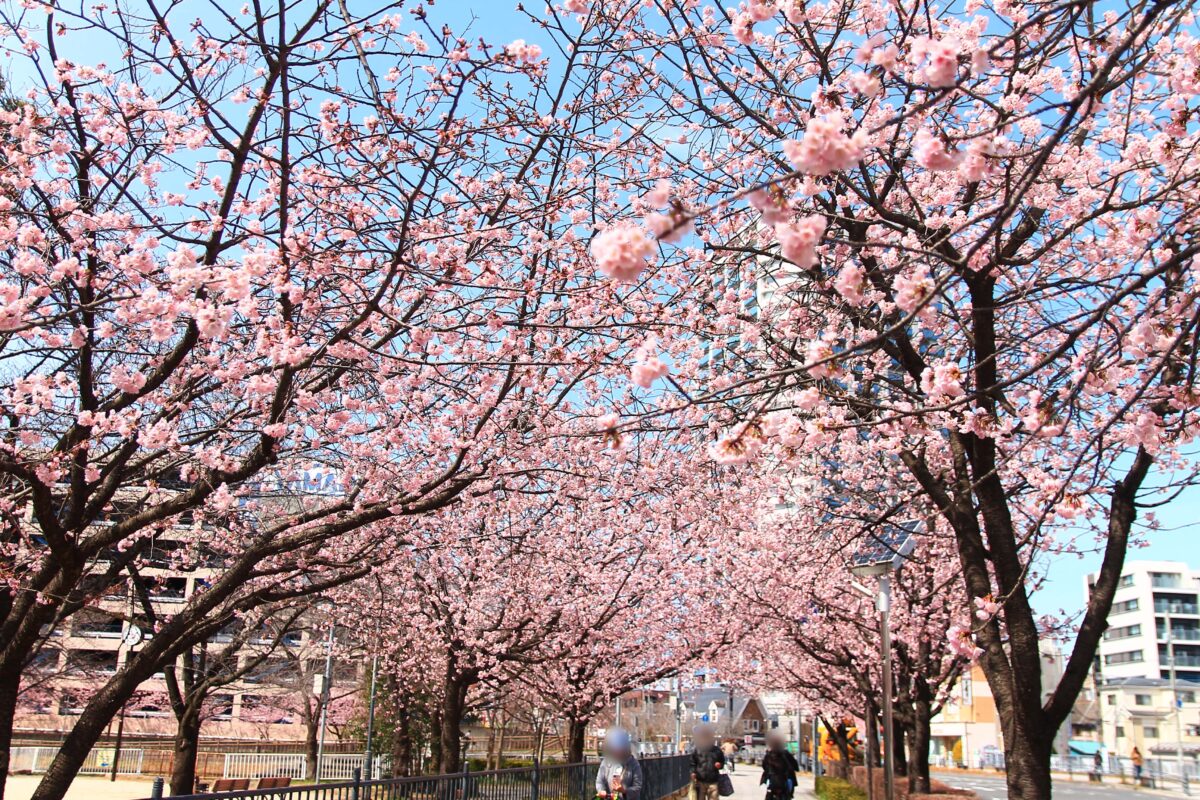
{"x":882,"y":557}
{"x":1176,"y":706}
{"x":325,"y":701}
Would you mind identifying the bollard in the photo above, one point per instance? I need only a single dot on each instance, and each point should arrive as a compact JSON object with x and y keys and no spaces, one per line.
{"x":156,"y":789}
{"x":357,"y":781}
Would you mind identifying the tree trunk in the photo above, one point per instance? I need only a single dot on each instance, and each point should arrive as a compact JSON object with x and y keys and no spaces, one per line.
{"x":97,"y":714}
{"x":500,"y":743}
{"x":576,"y":734}
{"x":402,"y":741}
{"x":454,"y":706}
{"x":899,"y":750}
{"x":9,"y":686}
{"x":311,"y":724}
{"x":1027,"y":764}
{"x":186,"y":748}
{"x":918,"y":773}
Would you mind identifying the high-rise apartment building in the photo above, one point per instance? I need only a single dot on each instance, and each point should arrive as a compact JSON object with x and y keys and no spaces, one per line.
{"x":1155,"y":613}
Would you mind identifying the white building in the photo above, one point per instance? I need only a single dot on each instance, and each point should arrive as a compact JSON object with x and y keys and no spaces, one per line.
{"x":1155,"y":609}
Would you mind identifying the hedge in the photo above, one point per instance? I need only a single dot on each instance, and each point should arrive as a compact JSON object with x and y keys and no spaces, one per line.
{"x":838,"y":789}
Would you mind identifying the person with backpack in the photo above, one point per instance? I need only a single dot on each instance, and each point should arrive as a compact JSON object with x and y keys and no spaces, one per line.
{"x":779,"y":769}
{"x":620,"y":774}
{"x":706,"y":761}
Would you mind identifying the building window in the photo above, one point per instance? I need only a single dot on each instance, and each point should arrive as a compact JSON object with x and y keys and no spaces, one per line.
{"x":1150,"y":731}
{"x":1112,"y":699}
{"x":1126,"y":632}
{"x":1120,"y":731}
{"x":1185,"y":697}
{"x":1165,"y":580}
{"x":92,"y":662}
{"x":1141,"y":699}
{"x":222,"y":706}
{"x":1123,"y":607}
{"x":1128,"y":657}
{"x":1126,"y":580}
{"x":97,"y":626}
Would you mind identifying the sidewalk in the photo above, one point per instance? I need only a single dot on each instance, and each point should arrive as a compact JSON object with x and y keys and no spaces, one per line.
{"x":746,"y":786}
{"x":84,"y":787}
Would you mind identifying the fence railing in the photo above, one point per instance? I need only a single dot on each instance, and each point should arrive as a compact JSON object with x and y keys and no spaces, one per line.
{"x":662,"y":775}
{"x":99,"y":761}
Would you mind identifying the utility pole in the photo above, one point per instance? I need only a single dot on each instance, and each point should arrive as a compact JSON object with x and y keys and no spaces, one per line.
{"x":678,"y":715}
{"x":885,"y":636}
{"x":1176,"y":706}
{"x":729,"y":727}
{"x":325,"y":701}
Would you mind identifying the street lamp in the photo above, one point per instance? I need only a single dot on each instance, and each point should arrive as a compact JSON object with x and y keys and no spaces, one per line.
{"x":879,"y":558}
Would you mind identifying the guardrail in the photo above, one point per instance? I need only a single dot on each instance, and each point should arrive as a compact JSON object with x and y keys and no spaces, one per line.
{"x":663,"y":776}
{"x":99,"y":761}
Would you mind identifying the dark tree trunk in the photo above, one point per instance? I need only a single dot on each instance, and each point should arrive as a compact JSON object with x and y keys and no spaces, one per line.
{"x":918,"y":773}
{"x":454,"y":705}
{"x":402,"y":741}
{"x":435,"y":740}
{"x":186,"y":747}
{"x":576,"y":735}
{"x":9,"y":686}
{"x":311,"y":724}
{"x":899,"y":750}
{"x":96,"y":716}
{"x":1027,"y":764}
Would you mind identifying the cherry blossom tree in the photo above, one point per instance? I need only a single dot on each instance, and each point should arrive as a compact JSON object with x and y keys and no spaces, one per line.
{"x":242,"y":246}
{"x":578,"y":591}
{"x":962,"y":235}
{"x":810,"y":631}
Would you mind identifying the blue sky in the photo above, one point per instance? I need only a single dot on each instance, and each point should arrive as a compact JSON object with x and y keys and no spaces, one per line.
{"x":1174,"y":540}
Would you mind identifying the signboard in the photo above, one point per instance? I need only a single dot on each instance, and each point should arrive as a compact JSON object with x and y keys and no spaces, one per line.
{"x":748,"y":739}
{"x":133,"y":636}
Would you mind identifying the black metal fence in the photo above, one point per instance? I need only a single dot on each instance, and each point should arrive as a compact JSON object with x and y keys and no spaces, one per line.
{"x":663,"y":776}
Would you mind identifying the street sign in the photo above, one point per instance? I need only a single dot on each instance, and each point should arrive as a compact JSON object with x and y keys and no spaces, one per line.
{"x":748,"y":739}
{"x":133,"y":636}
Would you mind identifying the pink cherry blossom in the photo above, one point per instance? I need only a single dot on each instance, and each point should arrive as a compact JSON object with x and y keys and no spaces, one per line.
{"x":825,"y":148}
{"x":940,"y":57}
{"x":622,"y":252}
{"x":798,"y":240}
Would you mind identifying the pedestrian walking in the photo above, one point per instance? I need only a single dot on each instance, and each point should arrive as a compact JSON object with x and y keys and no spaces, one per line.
{"x":706,"y":760}
{"x":729,"y":748}
{"x":620,"y":775}
{"x":1136,"y":758}
{"x":779,"y":769}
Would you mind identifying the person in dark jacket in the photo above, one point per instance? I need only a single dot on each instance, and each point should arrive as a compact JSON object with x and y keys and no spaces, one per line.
{"x":707,"y":761}
{"x":779,"y":769}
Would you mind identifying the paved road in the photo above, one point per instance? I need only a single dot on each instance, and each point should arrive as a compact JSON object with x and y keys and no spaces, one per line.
{"x":992,"y":788}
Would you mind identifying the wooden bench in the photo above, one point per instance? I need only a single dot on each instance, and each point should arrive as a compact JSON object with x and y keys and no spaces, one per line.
{"x":230,"y":784}
{"x":273,"y":783}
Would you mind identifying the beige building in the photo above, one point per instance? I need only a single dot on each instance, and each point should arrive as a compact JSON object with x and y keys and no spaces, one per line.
{"x":1138,"y":712}
{"x":967,"y":731}
{"x":273,"y":701}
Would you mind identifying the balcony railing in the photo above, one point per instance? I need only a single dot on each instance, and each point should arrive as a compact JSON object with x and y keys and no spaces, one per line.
{"x":1167,"y":607}
{"x":1186,"y":634}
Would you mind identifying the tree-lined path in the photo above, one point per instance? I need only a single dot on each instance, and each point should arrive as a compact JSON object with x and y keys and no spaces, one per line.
{"x":486,"y":377}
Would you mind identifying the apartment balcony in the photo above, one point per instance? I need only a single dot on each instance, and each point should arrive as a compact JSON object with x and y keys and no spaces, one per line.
{"x":1166,"y":581}
{"x":1180,"y":634}
{"x":1175,"y":608}
{"x":1181,"y":661}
